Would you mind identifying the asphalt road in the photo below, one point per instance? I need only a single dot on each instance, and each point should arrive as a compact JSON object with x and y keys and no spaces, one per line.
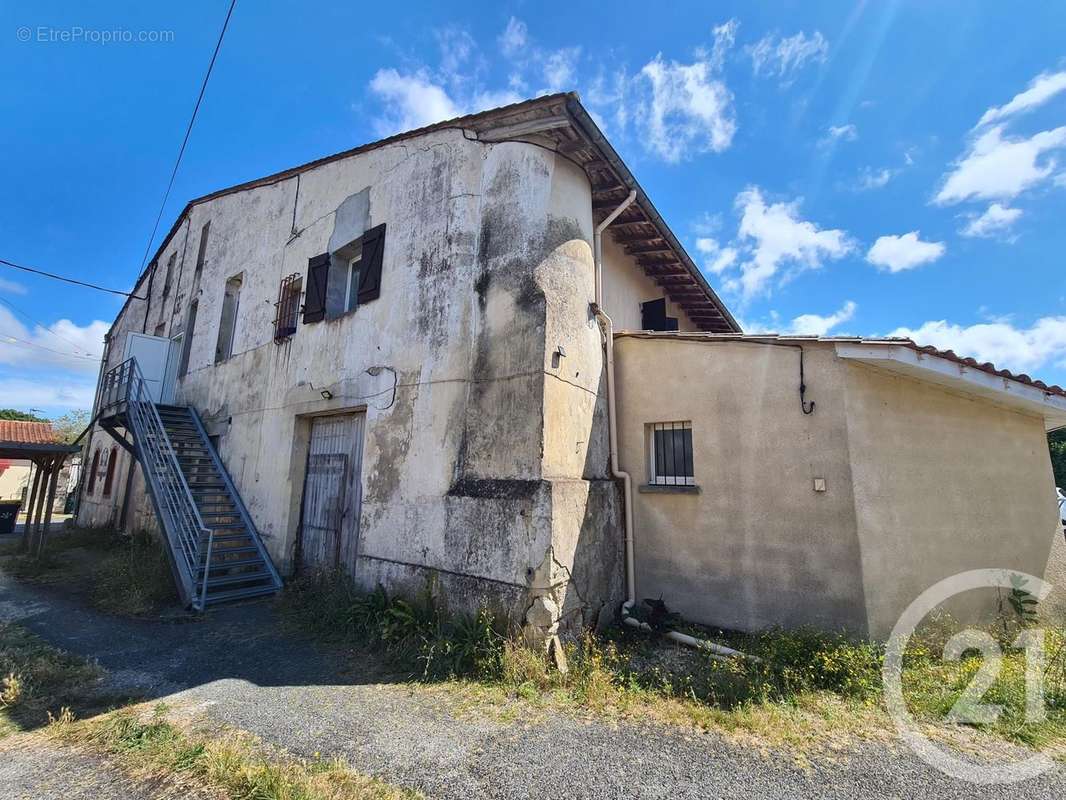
{"x":237,"y":667}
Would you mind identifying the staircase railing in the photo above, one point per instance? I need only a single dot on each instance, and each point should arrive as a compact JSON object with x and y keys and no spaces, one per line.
{"x":178,"y":513}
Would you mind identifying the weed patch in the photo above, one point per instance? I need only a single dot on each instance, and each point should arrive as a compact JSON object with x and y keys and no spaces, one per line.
{"x":37,"y":679}
{"x":118,"y":574}
{"x":231,"y":763}
{"x":801,"y":683}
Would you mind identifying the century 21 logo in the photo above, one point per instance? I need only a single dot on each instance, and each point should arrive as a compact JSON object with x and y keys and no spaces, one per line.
{"x":969,"y":708}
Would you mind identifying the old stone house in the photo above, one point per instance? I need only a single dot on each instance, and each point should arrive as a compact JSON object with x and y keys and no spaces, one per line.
{"x":398,"y":361}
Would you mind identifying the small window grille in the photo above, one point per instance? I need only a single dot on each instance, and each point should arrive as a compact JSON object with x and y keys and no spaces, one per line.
{"x":287,"y":309}
{"x":670,"y":461}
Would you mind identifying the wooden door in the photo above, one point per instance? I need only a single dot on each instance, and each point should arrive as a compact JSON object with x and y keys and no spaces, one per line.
{"x":330,"y":525}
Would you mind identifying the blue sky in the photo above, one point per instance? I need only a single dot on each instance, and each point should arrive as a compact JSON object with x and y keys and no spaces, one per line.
{"x":879,"y":168}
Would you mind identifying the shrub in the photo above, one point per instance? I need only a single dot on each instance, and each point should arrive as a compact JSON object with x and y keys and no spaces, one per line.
{"x":416,"y":633}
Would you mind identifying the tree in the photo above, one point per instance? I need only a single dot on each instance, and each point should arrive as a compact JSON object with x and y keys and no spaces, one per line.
{"x":19,"y":416}
{"x":69,"y":426}
{"x":1057,"y":442}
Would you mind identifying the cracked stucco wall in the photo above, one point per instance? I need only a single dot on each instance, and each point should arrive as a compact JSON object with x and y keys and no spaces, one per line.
{"x":485,"y":450}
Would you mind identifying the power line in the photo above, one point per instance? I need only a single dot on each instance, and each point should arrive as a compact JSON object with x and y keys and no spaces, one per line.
{"x":7,"y":338}
{"x":188,"y":131}
{"x":52,"y":275}
{"x":41,"y":325}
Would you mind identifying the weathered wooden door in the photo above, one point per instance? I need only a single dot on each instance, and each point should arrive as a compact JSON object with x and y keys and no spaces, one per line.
{"x":331,"y":502}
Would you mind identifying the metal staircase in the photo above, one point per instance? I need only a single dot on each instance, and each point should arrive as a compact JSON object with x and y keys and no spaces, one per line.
{"x":215,"y":551}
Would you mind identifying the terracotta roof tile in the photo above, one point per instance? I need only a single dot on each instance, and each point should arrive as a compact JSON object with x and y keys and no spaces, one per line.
{"x":27,"y":432}
{"x":950,"y":355}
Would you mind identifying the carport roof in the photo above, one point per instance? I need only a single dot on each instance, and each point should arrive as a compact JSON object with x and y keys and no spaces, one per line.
{"x":31,"y":440}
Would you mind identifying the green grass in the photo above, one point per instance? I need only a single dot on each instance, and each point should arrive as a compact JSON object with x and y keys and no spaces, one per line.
{"x":41,"y":684}
{"x":801,"y":683}
{"x":127,"y":575}
{"x":151,"y":746}
{"x":37,"y":680}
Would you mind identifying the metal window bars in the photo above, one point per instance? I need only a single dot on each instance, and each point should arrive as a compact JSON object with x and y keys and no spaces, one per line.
{"x":671,"y":454}
{"x":179,"y":516}
{"x":287,"y":309}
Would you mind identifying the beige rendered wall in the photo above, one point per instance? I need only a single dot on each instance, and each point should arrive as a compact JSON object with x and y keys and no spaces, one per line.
{"x":943,"y":483}
{"x":757,"y":546}
{"x":13,"y":479}
{"x":626,"y":286}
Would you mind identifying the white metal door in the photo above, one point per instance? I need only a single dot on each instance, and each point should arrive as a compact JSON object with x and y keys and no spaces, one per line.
{"x":330,"y":526}
{"x":153,"y":354}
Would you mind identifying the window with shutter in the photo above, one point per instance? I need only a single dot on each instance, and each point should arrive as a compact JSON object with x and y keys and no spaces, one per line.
{"x":317,"y":279}
{"x":653,"y":316}
{"x":370,"y":264}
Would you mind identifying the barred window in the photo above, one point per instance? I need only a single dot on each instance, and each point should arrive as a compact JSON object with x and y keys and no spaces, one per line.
{"x":287,"y":309}
{"x":670,"y":461}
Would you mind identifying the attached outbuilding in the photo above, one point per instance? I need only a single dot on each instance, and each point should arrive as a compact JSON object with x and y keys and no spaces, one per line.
{"x":788,"y":481}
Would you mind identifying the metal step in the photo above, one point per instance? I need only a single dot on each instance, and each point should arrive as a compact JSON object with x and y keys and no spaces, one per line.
{"x":220,"y":550}
{"x":239,"y":594}
{"x":240,"y":577}
{"x":219,"y":566}
{"x":226,"y":538}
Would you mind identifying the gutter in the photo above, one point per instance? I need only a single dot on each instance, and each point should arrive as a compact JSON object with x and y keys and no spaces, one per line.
{"x":716,"y":651}
{"x":587,"y":126}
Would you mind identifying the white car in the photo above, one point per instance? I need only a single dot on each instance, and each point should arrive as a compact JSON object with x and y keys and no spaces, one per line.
{"x":1062,"y":505}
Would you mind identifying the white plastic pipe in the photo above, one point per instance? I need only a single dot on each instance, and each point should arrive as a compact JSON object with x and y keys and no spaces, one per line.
{"x":607,"y":328}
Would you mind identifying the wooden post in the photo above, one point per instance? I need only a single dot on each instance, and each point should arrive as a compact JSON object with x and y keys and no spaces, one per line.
{"x":24,"y":545}
{"x":42,"y":540}
{"x":33,"y":532}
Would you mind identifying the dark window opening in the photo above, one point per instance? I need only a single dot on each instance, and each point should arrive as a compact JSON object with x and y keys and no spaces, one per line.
{"x":92,"y":472}
{"x":169,"y":273}
{"x":670,"y":451}
{"x":201,"y":255}
{"x":287,"y":309}
{"x":109,"y":477}
{"x":186,"y":344}
{"x":653,"y":316}
{"x":227,"y":326}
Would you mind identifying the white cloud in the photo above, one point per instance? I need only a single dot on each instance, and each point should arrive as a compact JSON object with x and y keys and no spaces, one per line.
{"x":815,"y":325}
{"x":456,"y":47}
{"x":1001,"y":168}
{"x":725,"y":35}
{"x":997,"y":219}
{"x":560,"y":69}
{"x":999,"y":342}
{"x":899,"y":253}
{"x":62,"y":344}
{"x":785,"y":56}
{"x":1041,"y":89}
{"x":685,"y":109}
{"x":11,"y":287}
{"x":870,"y":179}
{"x":56,"y":394}
{"x":845,"y":133}
{"x":717,"y":259}
{"x":778,"y":237}
{"x":412,"y":101}
{"x":514,"y":37}
{"x":606,"y":96}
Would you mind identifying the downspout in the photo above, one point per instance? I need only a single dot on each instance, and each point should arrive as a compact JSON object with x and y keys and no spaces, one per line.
{"x":607,"y":329}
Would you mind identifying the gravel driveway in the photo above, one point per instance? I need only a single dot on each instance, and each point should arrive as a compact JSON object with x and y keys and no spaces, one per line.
{"x":236,"y":666}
